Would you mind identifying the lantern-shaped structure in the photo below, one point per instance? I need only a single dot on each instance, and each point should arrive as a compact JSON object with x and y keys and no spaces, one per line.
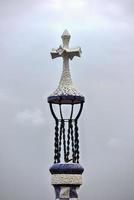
{"x":66,"y":170}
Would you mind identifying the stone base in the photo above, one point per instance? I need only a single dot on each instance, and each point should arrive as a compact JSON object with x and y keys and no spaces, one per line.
{"x":66,"y":179}
{"x":66,"y":193}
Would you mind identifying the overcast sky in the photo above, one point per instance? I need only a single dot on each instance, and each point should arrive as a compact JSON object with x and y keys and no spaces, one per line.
{"x":104,"y":74}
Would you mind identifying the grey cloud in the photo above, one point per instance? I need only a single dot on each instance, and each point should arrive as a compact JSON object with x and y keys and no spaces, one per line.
{"x":104,"y":74}
{"x":34,"y":117}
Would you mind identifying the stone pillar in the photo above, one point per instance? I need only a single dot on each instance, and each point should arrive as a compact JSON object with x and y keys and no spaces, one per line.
{"x":66,"y":179}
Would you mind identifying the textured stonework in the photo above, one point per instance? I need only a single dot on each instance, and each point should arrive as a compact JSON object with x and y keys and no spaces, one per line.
{"x":66,"y":86}
{"x":70,"y":179}
{"x":66,"y":192}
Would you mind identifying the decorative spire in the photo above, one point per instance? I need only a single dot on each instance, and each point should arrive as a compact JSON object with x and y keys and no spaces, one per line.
{"x":66,"y":87}
{"x":66,"y":172}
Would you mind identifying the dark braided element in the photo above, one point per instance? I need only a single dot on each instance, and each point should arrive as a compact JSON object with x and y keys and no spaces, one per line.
{"x":72,"y":140}
{"x":60,"y":139}
{"x":76,"y":142}
{"x":64,"y":139}
{"x":56,"y":159}
{"x":72,"y":137}
{"x":68,"y":142}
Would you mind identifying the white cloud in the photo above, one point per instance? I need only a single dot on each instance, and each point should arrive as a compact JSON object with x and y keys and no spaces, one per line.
{"x":59,"y":5}
{"x":83,"y":14}
{"x":34,"y":117}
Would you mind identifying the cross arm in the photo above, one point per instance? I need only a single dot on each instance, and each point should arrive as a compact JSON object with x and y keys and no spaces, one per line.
{"x":74,"y":52}
{"x":69,"y":52}
{"x":55,"y":53}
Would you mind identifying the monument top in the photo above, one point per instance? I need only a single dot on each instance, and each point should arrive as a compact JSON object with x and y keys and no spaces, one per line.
{"x":66,"y":92}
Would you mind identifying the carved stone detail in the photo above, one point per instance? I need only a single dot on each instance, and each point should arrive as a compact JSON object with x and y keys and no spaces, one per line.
{"x":69,"y":179}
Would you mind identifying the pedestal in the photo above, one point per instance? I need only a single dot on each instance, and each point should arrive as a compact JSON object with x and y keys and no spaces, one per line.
{"x":66,"y":179}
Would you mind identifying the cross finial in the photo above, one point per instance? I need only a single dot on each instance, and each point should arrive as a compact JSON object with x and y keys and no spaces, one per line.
{"x":61,"y":51}
{"x":66,"y":86}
